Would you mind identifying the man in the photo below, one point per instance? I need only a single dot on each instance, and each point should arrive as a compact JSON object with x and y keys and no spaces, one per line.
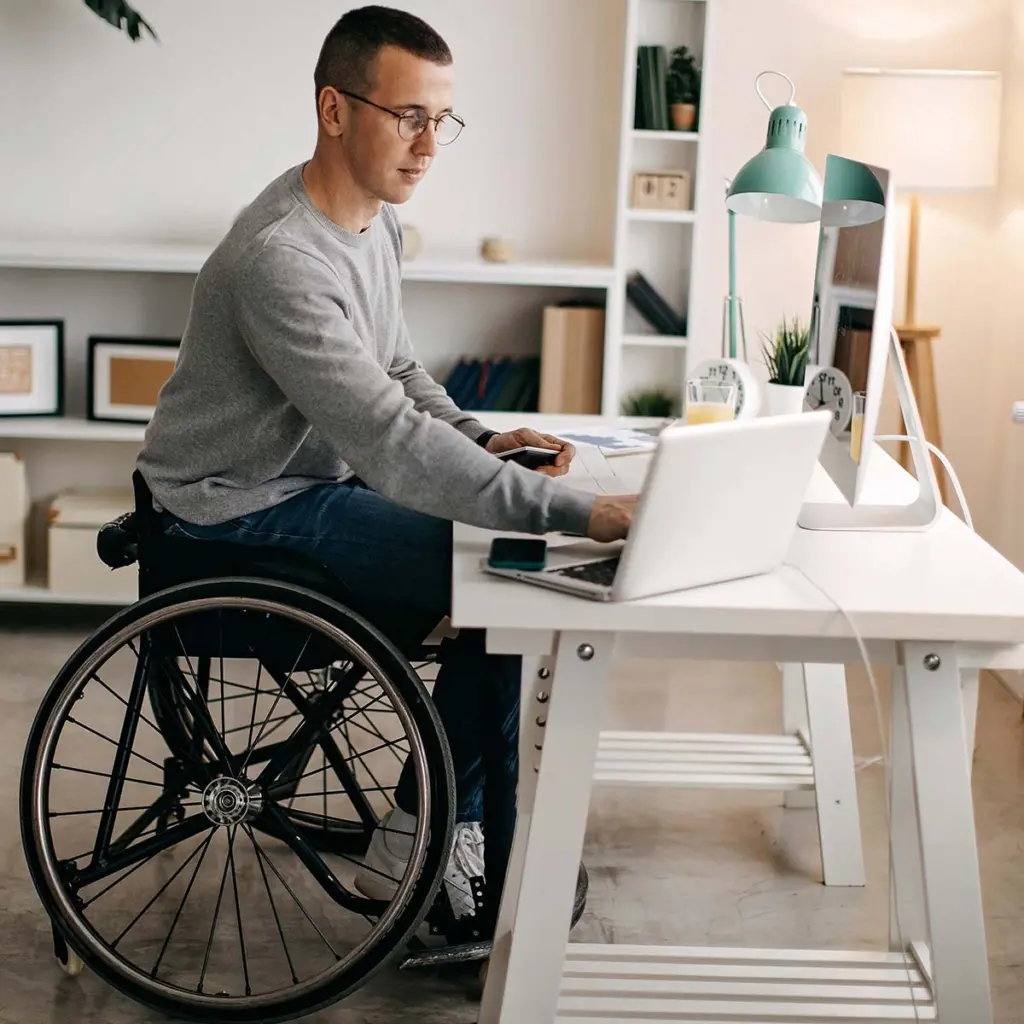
{"x":298,"y":415}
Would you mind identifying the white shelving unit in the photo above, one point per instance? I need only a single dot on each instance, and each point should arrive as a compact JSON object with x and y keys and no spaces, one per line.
{"x":659,"y":243}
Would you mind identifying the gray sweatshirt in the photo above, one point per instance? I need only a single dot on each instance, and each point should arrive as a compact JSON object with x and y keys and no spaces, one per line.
{"x":296,"y":369}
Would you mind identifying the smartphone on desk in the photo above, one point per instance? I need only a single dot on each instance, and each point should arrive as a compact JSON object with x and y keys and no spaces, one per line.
{"x":518,"y":553}
{"x":530,"y":456}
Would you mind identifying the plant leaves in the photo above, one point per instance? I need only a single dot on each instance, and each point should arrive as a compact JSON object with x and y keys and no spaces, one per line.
{"x":121,"y":16}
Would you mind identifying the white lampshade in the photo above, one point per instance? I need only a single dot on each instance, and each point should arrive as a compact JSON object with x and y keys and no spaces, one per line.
{"x":935,"y":131}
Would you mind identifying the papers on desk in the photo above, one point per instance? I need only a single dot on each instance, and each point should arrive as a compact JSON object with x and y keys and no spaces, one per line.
{"x":616,"y":441}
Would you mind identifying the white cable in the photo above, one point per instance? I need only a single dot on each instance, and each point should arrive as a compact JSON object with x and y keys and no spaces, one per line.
{"x":886,"y":764}
{"x":949,"y":469}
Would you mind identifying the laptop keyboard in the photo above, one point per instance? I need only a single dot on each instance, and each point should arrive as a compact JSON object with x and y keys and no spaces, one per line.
{"x":601,"y":572}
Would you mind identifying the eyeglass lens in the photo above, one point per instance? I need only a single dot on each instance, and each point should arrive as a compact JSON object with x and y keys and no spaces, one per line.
{"x":412,"y":125}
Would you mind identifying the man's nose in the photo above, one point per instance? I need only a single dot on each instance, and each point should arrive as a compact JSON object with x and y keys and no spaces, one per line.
{"x":426,"y":144}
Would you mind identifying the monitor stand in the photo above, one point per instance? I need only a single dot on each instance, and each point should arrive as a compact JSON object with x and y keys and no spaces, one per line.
{"x":920,"y":514}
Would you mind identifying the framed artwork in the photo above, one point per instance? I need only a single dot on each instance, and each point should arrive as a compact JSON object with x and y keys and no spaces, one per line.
{"x":125,"y":375}
{"x":31,"y":367}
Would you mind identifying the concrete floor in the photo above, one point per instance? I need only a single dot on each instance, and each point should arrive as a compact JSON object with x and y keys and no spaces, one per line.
{"x":682,"y":867}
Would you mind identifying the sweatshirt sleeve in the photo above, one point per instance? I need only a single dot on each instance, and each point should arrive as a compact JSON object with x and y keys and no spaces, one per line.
{"x":426,"y":394}
{"x":290,"y":308}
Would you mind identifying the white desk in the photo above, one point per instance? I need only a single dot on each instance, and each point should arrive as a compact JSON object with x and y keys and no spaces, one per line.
{"x":927,"y":604}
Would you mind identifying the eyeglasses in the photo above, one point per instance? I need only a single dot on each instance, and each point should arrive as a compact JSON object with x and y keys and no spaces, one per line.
{"x":413,"y":123}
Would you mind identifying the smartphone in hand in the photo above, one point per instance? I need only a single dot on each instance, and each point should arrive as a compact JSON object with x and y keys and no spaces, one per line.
{"x":530,"y":456}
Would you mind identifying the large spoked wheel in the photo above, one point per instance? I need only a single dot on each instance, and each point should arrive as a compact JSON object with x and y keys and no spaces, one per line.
{"x":195,"y":782}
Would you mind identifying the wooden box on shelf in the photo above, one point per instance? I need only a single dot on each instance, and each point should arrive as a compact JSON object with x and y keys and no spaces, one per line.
{"x":74,"y":568}
{"x":572,"y":359}
{"x":662,"y":190}
{"x":14,"y":507}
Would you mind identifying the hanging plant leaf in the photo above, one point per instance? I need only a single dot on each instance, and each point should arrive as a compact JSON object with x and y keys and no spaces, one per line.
{"x":121,"y":16}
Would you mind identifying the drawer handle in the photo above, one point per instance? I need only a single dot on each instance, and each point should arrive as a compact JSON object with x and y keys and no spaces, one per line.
{"x":8,"y":553}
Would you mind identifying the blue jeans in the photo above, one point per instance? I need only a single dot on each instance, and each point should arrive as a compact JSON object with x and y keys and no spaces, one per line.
{"x":392,"y":556}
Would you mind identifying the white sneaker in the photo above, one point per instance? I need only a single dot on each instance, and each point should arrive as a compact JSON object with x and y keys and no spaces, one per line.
{"x":387,"y":858}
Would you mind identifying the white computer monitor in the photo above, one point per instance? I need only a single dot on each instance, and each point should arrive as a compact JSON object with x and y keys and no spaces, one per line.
{"x":851,"y":316}
{"x":852,"y":343}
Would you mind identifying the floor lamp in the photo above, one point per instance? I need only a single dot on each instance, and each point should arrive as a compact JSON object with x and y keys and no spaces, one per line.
{"x":936,"y":132}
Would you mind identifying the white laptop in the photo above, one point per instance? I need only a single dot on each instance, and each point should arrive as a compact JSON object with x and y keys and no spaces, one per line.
{"x":720,"y":502}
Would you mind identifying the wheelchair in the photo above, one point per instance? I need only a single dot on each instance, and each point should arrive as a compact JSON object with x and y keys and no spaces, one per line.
{"x":201,"y":853}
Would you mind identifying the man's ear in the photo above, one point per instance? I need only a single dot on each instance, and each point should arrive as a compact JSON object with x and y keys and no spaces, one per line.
{"x":333,"y":111}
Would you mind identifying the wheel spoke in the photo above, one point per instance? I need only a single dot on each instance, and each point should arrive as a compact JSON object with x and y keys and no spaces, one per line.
{"x":238,"y":911}
{"x":216,"y":910}
{"x":273,"y":907}
{"x":163,"y":888}
{"x":260,"y":852}
{"x":204,"y":846}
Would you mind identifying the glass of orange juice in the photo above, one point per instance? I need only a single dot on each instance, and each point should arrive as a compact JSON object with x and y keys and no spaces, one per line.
{"x":857,"y":424}
{"x":707,"y":402}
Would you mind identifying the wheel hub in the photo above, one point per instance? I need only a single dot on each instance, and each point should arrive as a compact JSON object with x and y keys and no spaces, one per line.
{"x":230,"y":801}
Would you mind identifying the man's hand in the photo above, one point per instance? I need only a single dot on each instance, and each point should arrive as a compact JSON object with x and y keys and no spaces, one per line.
{"x":525,"y":436}
{"x":611,"y":517}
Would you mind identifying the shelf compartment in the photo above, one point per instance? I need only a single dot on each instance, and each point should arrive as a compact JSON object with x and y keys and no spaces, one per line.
{"x":669,"y":136}
{"x":654,"y":340}
{"x":663,"y":216}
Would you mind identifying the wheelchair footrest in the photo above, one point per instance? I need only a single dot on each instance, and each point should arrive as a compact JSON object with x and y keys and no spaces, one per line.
{"x":461,"y":949}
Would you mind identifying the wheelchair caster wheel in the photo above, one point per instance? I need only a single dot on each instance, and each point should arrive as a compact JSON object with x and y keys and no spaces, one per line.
{"x":73,"y":965}
{"x":70,"y":962}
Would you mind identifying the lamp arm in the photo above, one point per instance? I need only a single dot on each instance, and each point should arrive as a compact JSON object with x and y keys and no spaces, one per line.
{"x":792,"y":88}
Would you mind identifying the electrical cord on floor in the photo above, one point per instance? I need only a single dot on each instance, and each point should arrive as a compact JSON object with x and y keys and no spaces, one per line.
{"x":884,"y":759}
{"x":949,"y":470}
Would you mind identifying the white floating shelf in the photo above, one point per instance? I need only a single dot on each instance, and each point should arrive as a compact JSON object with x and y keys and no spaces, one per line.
{"x":535,"y":272}
{"x":731,"y":985}
{"x":664,"y":216}
{"x":654,"y":340}
{"x":35,"y":592}
{"x":181,"y":259}
{"x":703,"y":761}
{"x":68,"y":428}
{"x":647,"y":133}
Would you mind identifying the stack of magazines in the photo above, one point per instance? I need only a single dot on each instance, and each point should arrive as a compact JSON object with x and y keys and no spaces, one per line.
{"x":652,"y":307}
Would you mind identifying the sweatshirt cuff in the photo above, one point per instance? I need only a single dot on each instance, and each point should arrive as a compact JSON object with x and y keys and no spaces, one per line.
{"x":569,"y":511}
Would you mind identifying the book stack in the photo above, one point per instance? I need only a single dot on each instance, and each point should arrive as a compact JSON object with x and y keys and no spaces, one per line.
{"x":651,"y":107}
{"x":501,"y":383}
{"x":652,"y":307}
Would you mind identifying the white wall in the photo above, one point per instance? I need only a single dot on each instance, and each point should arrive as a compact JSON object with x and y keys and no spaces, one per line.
{"x":971,"y":246}
{"x":166,"y":141}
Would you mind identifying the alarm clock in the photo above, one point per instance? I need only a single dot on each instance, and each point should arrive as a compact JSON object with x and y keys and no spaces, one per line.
{"x":733,"y":371}
{"x":830,"y":388}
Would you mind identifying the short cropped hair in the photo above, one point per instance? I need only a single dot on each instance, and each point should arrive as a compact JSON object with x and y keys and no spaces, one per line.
{"x":350,"y":48}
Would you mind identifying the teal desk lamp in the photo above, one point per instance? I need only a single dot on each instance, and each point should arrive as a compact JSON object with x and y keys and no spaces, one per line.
{"x":778,"y":184}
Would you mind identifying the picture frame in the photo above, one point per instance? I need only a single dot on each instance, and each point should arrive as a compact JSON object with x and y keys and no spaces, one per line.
{"x":31,"y":368}
{"x":124,"y":376}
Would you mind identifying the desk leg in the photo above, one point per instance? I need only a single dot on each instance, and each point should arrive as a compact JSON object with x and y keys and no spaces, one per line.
{"x":935,"y":877}
{"x":835,"y":782}
{"x":969,"y":690}
{"x":794,"y":723}
{"x":525,"y":974}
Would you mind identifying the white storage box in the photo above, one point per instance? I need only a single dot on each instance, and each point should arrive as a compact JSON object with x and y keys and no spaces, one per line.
{"x":75,"y":570}
{"x":14,"y":505}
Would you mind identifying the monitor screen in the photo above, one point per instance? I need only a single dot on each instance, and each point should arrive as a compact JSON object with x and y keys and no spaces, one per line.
{"x":843,"y":374}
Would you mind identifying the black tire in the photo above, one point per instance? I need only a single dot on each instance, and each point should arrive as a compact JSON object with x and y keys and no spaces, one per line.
{"x":397,"y":920}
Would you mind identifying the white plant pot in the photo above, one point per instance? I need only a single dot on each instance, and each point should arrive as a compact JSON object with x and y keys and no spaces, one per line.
{"x":783,"y":399}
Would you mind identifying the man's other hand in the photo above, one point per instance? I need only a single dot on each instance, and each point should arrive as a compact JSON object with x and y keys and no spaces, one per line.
{"x":525,"y":436}
{"x":611,"y":517}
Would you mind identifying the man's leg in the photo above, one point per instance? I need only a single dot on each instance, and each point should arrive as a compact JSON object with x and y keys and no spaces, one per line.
{"x":387,"y":555}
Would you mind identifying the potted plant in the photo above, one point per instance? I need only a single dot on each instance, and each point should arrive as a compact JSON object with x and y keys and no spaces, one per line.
{"x":786,"y":357}
{"x":682,"y":83}
{"x":654,"y":403}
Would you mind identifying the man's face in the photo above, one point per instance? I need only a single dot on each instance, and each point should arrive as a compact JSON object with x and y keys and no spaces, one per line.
{"x":381,"y":161}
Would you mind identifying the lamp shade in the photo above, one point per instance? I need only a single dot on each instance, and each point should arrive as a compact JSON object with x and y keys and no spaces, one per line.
{"x":935,"y":131}
{"x":853,"y":195}
{"x":779,"y":183}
